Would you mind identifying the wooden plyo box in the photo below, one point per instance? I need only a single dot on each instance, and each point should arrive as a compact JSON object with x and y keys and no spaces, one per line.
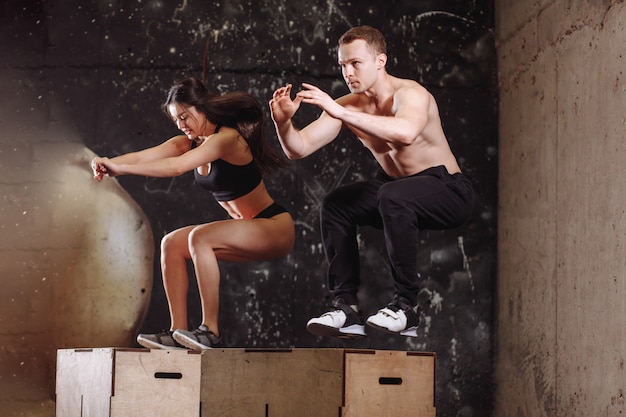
{"x":318,"y":383}
{"x":116,"y":382}
{"x":299,"y":382}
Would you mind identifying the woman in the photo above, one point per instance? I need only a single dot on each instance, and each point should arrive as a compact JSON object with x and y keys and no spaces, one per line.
{"x":224,"y":144}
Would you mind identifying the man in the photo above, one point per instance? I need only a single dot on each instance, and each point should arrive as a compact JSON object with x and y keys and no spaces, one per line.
{"x":420,"y":185}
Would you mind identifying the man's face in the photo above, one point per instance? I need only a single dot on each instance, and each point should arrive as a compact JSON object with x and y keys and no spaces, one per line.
{"x":359,"y":65}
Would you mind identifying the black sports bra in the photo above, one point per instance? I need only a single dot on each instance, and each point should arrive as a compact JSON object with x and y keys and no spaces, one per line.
{"x":228,"y":181}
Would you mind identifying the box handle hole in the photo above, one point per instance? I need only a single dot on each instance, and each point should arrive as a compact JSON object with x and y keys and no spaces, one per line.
{"x":389,"y":381}
{"x":168,"y":375}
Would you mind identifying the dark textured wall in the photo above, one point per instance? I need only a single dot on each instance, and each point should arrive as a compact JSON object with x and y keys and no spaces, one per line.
{"x":104,"y":66}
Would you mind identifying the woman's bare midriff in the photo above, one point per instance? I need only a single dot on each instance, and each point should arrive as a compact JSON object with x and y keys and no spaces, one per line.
{"x":249,"y":205}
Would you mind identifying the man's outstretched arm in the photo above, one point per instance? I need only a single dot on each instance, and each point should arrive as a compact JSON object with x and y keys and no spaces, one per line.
{"x":297,"y":143}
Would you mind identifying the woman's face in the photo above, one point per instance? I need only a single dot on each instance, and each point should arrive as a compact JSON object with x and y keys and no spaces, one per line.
{"x":189,"y":120}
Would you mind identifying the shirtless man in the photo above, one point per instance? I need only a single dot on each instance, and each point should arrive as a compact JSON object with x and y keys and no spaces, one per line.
{"x":420,"y":185}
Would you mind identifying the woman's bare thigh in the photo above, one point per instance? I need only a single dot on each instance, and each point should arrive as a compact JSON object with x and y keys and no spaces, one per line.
{"x":244,"y":240}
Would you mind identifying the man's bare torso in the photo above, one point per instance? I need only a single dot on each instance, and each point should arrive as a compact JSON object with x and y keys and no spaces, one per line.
{"x":430,"y":148}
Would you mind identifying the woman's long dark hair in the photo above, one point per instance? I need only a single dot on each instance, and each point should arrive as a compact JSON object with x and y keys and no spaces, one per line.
{"x":238,"y":110}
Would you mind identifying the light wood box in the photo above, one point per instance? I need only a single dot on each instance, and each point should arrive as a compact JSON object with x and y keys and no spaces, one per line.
{"x":115,"y":382}
{"x":299,"y":382}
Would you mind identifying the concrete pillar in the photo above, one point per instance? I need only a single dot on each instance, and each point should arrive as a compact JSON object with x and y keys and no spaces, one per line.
{"x":562,"y":223}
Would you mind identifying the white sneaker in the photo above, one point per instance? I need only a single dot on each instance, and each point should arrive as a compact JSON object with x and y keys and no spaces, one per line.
{"x":342,"y":322}
{"x":397,"y":317}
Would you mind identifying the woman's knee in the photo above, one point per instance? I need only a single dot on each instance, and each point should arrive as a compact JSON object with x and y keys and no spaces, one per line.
{"x":167,"y":242}
{"x":198,"y":236}
{"x":173,"y":242}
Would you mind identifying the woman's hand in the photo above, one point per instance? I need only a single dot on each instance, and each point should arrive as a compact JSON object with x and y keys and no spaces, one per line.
{"x":98,"y":168}
{"x":102,"y":167}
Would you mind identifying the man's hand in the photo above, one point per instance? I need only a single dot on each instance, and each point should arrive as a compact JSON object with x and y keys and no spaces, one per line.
{"x":313,"y":95}
{"x":282,"y":106}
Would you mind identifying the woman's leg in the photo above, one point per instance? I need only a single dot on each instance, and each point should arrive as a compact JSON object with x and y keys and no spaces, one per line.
{"x":234,"y":241}
{"x":174,"y":255}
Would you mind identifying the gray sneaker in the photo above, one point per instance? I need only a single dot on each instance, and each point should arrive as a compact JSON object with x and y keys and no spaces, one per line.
{"x":163,"y":340}
{"x":200,"y":339}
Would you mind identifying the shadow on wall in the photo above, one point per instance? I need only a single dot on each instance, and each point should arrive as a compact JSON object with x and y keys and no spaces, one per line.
{"x":76,"y":256}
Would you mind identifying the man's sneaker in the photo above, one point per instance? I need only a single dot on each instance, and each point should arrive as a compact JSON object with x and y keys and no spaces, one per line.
{"x":341,"y":321}
{"x":397,"y":317}
{"x":163,"y":340}
{"x":200,"y":339}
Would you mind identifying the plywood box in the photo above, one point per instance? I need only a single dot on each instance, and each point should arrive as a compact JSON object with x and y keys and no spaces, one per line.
{"x":318,"y":383}
{"x":300,"y":382}
{"x":114,"y":382}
